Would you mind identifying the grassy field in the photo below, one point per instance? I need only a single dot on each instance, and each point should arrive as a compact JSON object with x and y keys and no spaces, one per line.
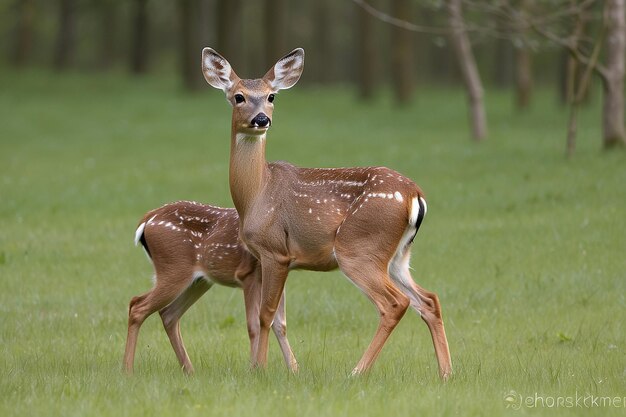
{"x":525,"y":248}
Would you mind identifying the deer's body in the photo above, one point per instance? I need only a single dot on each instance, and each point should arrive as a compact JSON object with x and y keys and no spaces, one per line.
{"x":193,"y":246}
{"x":168,"y":234}
{"x":362,"y":220}
{"x":308,"y":206}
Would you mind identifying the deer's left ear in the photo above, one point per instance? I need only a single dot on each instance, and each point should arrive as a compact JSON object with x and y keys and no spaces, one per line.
{"x":286,"y":72}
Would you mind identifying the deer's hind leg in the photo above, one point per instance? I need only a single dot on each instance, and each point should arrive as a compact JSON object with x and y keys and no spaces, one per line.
{"x":165,"y":291}
{"x":363,"y":249}
{"x":425,"y":303}
{"x":172,"y":313}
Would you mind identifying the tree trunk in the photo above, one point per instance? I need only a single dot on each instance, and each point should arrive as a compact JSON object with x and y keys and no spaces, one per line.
{"x":523,"y":64}
{"x":402,"y":68}
{"x":66,"y":35}
{"x":275,"y":15}
{"x":140,"y":44}
{"x":23,"y":44}
{"x":523,"y":77}
{"x":108,"y":30}
{"x":229,"y":33}
{"x":577,"y":86}
{"x":572,"y":79}
{"x":504,"y":55}
{"x":367,"y":57}
{"x":613,"y":106}
{"x":469,"y":70}
{"x":322,"y":62}
{"x":189,"y":13}
{"x":570,"y":70}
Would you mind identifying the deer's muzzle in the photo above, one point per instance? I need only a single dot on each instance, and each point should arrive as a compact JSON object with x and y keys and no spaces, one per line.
{"x":261,"y":120}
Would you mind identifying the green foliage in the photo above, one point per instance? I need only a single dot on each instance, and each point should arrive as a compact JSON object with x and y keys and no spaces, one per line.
{"x":524,"y":248}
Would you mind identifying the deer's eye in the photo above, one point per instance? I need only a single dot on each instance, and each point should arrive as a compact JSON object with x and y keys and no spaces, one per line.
{"x":239,"y":98}
{"x":270,"y":98}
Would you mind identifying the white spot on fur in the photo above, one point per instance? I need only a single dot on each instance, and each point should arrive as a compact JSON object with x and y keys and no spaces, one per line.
{"x":198,"y":275}
{"x":139,"y":233}
{"x":415,"y":211}
{"x":398,"y":196}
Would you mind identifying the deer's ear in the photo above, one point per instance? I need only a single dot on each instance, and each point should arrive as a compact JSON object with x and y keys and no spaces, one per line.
{"x":286,"y":72}
{"x":217,"y":71}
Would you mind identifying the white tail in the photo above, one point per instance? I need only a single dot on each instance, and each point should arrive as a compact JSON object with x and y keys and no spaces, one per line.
{"x":361,"y":220}
{"x":192,"y":246}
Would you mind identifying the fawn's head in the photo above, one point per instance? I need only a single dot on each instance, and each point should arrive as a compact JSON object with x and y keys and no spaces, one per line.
{"x":252,"y":100}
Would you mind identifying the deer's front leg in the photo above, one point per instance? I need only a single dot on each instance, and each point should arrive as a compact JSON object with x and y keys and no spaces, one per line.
{"x":252,"y":300}
{"x":274,"y":275}
{"x":280,"y":330}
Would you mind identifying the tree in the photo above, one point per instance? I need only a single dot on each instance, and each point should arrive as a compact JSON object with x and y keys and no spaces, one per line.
{"x":503,"y":56}
{"x":612,"y":71}
{"x":140,"y":44}
{"x":578,"y":82}
{"x":366,"y":66}
{"x":23,"y":37}
{"x":107,"y":11}
{"x":613,"y":74}
{"x":469,"y":70}
{"x":275,"y":20}
{"x":458,"y":35}
{"x":523,"y":65}
{"x":322,"y":63}
{"x":229,"y":32}
{"x":66,"y":35}
{"x":189,"y":14}
{"x":523,"y":77}
{"x":402,"y":54}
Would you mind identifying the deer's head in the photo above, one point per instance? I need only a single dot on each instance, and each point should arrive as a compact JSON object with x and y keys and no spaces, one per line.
{"x":252,"y":100}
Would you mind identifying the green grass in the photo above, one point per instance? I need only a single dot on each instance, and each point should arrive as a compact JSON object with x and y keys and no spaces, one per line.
{"x":524,"y":248}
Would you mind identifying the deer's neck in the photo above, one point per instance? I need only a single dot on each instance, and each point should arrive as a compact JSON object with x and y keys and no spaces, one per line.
{"x":248,"y":170}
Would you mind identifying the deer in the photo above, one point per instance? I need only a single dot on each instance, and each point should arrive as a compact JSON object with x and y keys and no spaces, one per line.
{"x":193,"y":246}
{"x":361,"y":220}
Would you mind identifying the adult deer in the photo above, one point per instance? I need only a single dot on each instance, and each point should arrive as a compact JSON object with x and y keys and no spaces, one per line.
{"x":192,"y":246}
{"x":362,"y":220}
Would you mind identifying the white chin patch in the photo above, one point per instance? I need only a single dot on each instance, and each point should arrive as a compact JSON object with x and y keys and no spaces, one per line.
{"x":246,"y":136}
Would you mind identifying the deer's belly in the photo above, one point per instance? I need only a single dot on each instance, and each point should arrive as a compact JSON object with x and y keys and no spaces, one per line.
{"x":314,"y":252}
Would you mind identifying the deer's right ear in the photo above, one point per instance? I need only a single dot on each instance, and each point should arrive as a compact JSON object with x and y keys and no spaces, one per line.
{"x":217,"y":71}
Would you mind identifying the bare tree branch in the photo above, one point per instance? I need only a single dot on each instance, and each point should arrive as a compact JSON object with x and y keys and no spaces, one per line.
{"x":384,"y":17}
{"x":572,"y":47}
{"x":503,"y":10}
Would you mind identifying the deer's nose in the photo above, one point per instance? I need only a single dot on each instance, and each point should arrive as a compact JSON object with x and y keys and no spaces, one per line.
{"x":261,"y":120}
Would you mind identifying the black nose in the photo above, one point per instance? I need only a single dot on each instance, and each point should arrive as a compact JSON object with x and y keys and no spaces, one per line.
{"x":261,"y":120}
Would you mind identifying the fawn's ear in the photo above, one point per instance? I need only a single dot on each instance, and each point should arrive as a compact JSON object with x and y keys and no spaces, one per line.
{"x":286,"y":72}
{"x":217,"y":71}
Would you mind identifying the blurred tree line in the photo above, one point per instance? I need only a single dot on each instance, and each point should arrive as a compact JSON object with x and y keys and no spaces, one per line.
{"x":344,"y":43}
{"x":370,"y":44}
